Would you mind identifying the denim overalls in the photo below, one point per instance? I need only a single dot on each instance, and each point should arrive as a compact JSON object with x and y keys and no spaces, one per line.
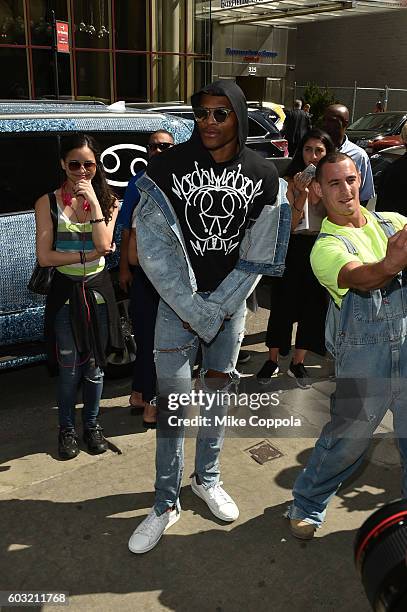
{"x":367,"y":337}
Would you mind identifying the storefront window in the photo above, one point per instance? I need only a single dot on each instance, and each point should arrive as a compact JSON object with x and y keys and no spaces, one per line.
{"x":92,"y":73}
{"x":202,"y":27}
{"x":12,"y":30}
{"x":14,"y":77}
{"x":131,"y":77}
{"x":201,"y":37}
{"x":44,"y":74}
{"x":92,"y":24}
{"x":202,"y":73}
{"x":131,"y":12}
{"x":40,"y":25}
{"x":168,"y":37}
{"x":168,"y":69}
{"x":155,"y":50}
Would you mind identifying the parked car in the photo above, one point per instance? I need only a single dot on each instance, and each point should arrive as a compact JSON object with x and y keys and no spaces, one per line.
{"x":376,"y":131}
{"x":263,"y":137}
{"x":380,"y":161}
{"x":272,"y":110}
{"x":29,"y":167}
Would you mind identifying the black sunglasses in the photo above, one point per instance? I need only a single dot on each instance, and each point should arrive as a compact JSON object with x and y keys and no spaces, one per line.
{"x":74,"y":165}
{"x":163,"y":146}
{"x":220,"y":114}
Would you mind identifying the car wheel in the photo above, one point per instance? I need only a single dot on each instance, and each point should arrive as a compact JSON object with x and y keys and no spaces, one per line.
{"x":120,"y":364}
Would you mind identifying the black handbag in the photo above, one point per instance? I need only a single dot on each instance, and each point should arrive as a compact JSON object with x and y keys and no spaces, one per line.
{"x":41,"y":277}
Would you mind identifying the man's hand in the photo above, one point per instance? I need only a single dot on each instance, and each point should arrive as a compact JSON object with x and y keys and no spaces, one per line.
{"x":396,"y":252}
{"x":125,"y":279}
{"x":187,"y":326}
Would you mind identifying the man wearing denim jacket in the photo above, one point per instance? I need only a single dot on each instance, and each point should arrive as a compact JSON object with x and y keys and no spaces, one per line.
{"x":209,"y":223}
{"x":360,"y":257}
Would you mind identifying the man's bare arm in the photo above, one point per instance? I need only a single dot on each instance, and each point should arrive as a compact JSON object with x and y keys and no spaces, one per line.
{"x":365,"y":277}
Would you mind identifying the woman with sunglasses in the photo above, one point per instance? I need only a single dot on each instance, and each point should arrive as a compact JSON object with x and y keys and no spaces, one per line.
{"x":81,"y":319}
{"x":297,"y":296}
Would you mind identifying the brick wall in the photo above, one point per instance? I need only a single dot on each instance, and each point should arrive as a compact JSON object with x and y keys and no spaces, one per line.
{"x":370,"y":49}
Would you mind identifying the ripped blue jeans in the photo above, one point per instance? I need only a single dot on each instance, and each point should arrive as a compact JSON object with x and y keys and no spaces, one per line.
{"x":75,"y":370}
{"x":175,"y":352}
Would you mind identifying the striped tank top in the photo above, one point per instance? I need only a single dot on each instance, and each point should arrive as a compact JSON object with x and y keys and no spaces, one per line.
{"x":73,"y":237}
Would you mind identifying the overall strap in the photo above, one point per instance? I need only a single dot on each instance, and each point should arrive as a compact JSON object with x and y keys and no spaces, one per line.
{"x":386,"y":225}
{"x":349,"y":245}
{"x":333,"y":317}
{"x":53,"y":208}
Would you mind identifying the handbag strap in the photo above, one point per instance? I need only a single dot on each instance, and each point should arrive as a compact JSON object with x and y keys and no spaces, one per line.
{"x":53,"y":208}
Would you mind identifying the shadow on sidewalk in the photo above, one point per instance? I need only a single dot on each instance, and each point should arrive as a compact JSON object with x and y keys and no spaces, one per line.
{"x":382,"y":478}
{"x":255,"y":565}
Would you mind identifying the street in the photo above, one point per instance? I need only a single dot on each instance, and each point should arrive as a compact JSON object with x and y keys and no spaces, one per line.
{"x":65,"y":525}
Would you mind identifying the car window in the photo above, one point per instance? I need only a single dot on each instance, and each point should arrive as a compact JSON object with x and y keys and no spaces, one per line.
{"x":378,"y":121}
{"x":255,"y":129}
{"x":123,"y":155}
{"x":272,"y":119}
{"x":29,"y":168}
{"x":29,"y":165}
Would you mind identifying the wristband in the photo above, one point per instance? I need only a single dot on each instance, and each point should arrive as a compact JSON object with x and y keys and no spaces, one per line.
{"x":97,"y":220}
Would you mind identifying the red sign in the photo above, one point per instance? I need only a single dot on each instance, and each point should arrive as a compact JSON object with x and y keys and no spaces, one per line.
{"x":62,"y":37}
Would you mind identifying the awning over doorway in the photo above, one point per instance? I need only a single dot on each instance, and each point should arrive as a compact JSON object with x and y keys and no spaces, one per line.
{"x":293,"y":12}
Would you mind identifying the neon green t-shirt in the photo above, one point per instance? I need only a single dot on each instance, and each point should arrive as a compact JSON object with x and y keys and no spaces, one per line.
{"x":329,"y":254}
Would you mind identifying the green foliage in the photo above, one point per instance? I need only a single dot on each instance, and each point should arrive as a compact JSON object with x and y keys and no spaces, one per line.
{"x":318,"y":99}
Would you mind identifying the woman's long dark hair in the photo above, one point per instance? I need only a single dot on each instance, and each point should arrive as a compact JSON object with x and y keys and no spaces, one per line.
{"x":297,"y":163}
{"x":104,"y":194}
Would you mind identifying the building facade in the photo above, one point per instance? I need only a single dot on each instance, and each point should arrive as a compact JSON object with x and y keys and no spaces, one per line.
{"x":134,"y":50}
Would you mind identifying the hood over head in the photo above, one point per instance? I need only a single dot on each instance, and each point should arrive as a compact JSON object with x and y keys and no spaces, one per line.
{"x":237,"y":99}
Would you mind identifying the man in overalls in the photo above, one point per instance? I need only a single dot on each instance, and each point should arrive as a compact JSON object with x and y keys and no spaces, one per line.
{"x":359,"y":257}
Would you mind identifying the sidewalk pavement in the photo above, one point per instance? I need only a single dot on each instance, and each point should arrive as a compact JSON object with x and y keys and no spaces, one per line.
{"x":65,"y":525}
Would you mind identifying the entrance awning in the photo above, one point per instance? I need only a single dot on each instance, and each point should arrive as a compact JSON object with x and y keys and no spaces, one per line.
{"x":293,"y":12}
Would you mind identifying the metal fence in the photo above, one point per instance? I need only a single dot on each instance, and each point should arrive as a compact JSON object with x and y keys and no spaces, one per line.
{"x":362,"y":100}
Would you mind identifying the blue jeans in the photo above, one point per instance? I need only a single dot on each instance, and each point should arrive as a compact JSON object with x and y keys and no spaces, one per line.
{"x":371,"y":369}
{"x":76,"y":369}
{"x":343,"y":443}
{"x":175,"y":352}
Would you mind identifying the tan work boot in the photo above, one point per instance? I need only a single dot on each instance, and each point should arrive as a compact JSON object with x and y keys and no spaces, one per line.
{"x":302,"y":529}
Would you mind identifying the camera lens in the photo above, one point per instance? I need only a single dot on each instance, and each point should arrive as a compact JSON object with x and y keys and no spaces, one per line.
{"x":380,"y":556}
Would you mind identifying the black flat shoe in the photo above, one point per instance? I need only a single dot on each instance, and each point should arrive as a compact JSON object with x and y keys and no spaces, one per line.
{"x":68,"y":444}
{"x":95,"y":440}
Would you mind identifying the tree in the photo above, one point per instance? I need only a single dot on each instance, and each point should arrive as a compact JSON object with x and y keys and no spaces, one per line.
{"x":318,"y":99}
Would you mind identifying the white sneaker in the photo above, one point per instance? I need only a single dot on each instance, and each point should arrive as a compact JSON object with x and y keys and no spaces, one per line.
{"x":149,"y":532}
{"x":217,"y":500}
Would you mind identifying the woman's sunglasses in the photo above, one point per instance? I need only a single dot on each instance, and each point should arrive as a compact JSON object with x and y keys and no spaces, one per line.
{"x":75,"y":165}
{"x":220,"y":114}
{"x":153,"y":146}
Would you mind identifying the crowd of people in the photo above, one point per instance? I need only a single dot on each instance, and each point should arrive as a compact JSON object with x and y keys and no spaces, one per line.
{"x":202,"y":224}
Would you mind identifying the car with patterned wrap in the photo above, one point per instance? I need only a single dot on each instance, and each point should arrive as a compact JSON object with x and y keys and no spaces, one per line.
{"x":29,"y":167}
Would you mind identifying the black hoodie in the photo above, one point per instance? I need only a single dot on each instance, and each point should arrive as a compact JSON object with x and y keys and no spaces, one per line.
{"x":214,"y":201}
